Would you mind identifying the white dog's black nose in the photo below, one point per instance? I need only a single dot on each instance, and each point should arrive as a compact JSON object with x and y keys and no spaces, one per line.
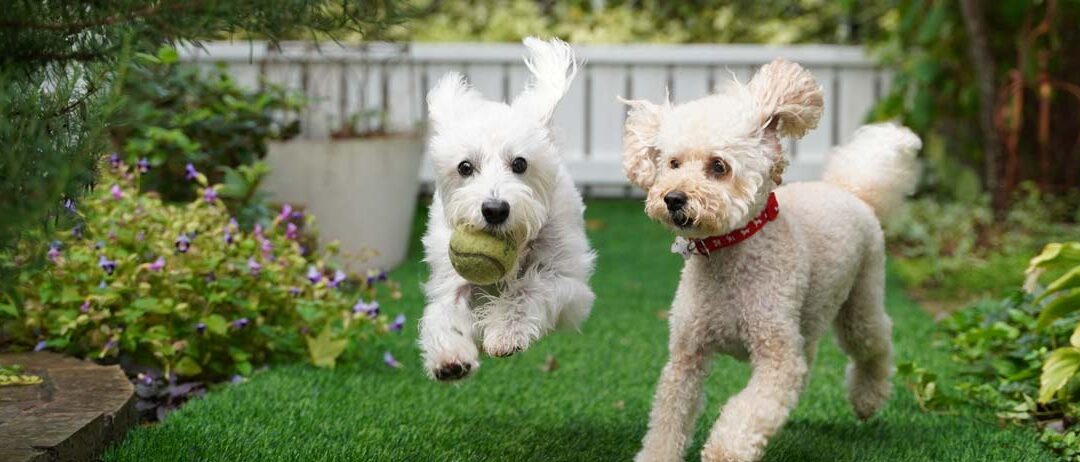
{"x":495,"y":211}
{"x":675,"y":200}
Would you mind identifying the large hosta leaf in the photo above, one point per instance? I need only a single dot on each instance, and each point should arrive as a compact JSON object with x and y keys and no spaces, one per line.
{"x":1058,"y":369}
{"x":1061,"y":305}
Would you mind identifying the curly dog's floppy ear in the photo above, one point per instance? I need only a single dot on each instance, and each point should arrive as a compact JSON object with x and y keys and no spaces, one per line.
{"x":640,"y":155}
{"x":553,"y":67}
{"x":789,"y":102}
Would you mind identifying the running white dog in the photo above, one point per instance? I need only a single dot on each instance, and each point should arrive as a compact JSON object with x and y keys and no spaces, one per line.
{"x":497,"y":168}
{"x":768,"y":269}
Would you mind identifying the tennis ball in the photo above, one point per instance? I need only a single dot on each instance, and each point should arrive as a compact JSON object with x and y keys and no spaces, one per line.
{"x":480,"y":257}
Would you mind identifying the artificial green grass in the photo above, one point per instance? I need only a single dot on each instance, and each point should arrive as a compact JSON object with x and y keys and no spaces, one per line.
{"x":592,"y":407}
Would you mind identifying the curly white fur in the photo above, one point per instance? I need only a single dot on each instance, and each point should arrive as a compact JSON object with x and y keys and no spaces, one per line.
{"x":770,"y":298}
{"x":548,"y":287}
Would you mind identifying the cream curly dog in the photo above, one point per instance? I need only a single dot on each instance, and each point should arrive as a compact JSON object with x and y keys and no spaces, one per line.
{"x":768,"y":268}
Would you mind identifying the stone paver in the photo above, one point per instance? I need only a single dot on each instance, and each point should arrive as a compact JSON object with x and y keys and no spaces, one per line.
{"x":77,"y":410}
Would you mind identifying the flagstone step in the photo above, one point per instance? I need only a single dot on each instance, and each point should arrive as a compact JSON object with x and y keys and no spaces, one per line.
{"x":78,"y":409}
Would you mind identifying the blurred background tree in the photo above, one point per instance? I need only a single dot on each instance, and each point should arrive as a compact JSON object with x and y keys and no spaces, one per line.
{"x":62,"y":65}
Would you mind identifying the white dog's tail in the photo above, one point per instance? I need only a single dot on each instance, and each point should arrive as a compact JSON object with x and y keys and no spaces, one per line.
{"x":878,"y":165}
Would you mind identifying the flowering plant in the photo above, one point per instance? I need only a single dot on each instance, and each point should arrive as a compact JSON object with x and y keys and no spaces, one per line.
{"x":182,"y":288}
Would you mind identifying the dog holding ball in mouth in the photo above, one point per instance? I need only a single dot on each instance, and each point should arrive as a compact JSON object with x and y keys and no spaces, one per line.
{"x":506,"y":237}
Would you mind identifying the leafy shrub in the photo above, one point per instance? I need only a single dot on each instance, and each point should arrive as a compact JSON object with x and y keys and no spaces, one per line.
{"x":174,"y":114}
{"x":1022,"y":351}
{"x":182,"y":288}
{"x":957,"y":250}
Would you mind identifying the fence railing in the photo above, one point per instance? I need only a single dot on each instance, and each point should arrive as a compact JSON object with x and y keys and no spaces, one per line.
{"x":382,"y":87}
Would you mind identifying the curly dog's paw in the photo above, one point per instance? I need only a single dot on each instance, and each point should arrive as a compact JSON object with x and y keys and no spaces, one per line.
{"x":452,"y":371}
{"x":506,"y":340}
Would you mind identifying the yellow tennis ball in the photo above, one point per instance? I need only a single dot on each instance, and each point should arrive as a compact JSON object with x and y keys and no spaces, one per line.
{"x":479,"y":257}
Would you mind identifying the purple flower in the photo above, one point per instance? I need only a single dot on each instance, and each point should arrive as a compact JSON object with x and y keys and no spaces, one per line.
{"x":183,"y":243}
{"x":294,"y":291}
{"x":254,"y":266}
{"x":158,"y":264}
{"x":267,"y":248}
{"x":40,"y":346}
{"x":290,"y":231}
{"x":258,"y":232}
{"x":140,"y":236}
{"x":54,"y":251}
{"x":237,"y":379}
{"x":108,"y":265}
{"x":85,"y":307}
{"x":286,"y":212}
{"x":143,"y":165}
{"x":228,"y":237}
{"x":314,"y":275}
{"x":77,"y":231}
{"x":390,"y":361}
{"x":210,"y":195}
{"x":370,"y":309}
{"x":191,"y":173}
{"x":146,"y":379}
{"x":200,"y":327}
{"x":69,"y":204}
{"x":233,"y":224}
{"x":382,"y":276}
{"x":108,"y":346}
{"x":240,"y":323}
{"x":114,"y":160}
{"x":339,"y":277}
{"x":116,"y":192}
{"x":398,"y":324}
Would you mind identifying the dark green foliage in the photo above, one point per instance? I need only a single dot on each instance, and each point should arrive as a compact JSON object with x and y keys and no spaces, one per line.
{"x":1034,"y":47}
{"x":60,"y":59}
{"x":590,"y":403}
{"x":174,"y":115}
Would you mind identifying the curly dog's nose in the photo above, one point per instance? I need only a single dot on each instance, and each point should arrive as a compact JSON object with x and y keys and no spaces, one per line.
{"x":495,"y":211}
{"x":675,"y":200}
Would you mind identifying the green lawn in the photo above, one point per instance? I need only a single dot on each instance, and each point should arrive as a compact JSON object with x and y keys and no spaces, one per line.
{"x":592,"y":407}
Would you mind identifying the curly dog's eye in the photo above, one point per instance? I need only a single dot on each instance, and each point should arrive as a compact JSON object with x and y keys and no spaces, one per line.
{"x":674,"y":163}
{"x":465,"y":168}
{"x":718,"y":167}
{"x":519,"y":165}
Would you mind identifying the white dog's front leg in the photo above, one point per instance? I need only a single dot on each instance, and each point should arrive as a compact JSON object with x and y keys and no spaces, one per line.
{"x":675,"y":407}
{"x":447,"y":337}
{"x":531,"y":307}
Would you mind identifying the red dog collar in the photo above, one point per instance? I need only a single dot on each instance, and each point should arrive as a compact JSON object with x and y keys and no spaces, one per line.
{"x":714,"y":243}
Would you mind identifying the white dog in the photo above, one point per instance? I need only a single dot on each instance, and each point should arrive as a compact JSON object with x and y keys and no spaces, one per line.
{"x":497,"y":168}
{"x":765,"y":275}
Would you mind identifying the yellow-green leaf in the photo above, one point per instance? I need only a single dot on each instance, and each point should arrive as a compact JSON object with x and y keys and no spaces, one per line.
{"x":1070,"y":280}
{"x":1075,"y":338}
{"x":1060,"y":306}
{"x":1060,"y":366}
{"x":216,"y":324}
{"x":187,"y":367}
{"x":1055,"y":253}
{"x":324,"y":350}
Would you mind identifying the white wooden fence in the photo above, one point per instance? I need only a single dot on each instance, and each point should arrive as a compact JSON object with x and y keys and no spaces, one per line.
{"x":390,"y":81}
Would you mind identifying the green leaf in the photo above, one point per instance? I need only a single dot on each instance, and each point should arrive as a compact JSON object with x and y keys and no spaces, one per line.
{"x":9,"y":310}
{"x":1058,"y":369}
{"x":216,"y":324}
{"x":1075,"y":338}
{"x":324,"y":350}
{"x":168,"y":55}
{"x":1060,"y":306}
{"x":1070,"y":280}
{"x":187,"y":367}
{"x":1055,"y":254}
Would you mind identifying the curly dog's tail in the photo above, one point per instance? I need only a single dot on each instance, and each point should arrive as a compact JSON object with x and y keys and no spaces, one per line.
{"x":878,"y":166}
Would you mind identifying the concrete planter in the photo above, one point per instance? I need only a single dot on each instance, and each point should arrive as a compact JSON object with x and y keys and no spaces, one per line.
{"x":361,"y":191}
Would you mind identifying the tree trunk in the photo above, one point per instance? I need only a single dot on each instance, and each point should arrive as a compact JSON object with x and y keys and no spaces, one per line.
{"x":983,"y":60}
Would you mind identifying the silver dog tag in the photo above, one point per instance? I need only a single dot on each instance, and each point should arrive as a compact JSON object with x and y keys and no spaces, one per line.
{"x":682,"y":246}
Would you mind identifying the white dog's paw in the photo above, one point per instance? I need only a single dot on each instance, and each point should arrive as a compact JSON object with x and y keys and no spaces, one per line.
{"x":455,"y":361}
{"x":749,"y":449}
{"x":647,"y":456}
{"x":502,"y":340}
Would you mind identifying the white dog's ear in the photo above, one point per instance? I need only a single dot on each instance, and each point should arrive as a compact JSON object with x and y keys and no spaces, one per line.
{"x":553,"y":67}
{"x":789,"y":98}
{"x":450,"y":96}
{"x":640,"y":155}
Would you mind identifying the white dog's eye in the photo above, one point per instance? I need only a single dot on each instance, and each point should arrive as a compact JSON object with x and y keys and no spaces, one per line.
{"x":465,"y":168}
{"x":518,"y":165}
{"x":718,"y":167}
{"x":674,"y":163}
